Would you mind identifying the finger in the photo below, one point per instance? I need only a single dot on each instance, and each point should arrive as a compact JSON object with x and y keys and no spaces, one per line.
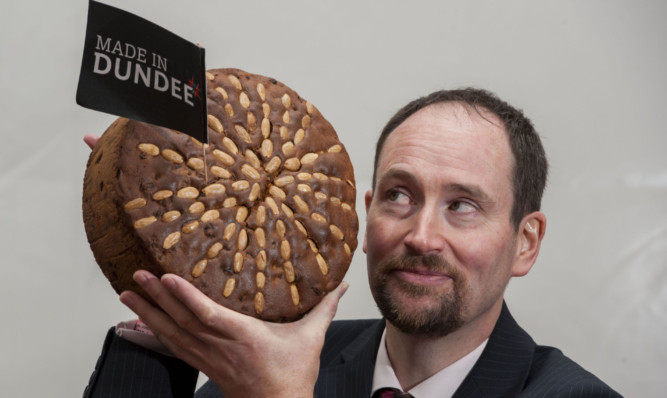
{"x":178,"y":312}
{"x":177,"y":340}
{"x":152,"y":316}
{"x":211,"y":314}
{"x":324,"y":312}
{"x":161,"y":322}
{"x":90,"y":140}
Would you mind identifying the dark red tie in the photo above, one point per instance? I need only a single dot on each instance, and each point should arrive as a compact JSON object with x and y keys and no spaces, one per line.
{"x":391,"y":393}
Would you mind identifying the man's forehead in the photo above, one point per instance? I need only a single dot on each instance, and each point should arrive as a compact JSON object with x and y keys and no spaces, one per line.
{"x":456,"y":133}
{"x":454,"y":121}
{"x":461,"y":113}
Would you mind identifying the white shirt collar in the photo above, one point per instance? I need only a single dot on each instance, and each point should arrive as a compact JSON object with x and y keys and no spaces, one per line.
{"x":442,"y":384}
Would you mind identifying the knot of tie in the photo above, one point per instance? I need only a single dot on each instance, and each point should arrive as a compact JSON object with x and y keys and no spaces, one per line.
{"x":391,"y":393}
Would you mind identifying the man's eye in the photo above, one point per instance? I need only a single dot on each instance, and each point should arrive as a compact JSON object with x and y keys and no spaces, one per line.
{"x":398,"y":197}
{"x":462,"y":207}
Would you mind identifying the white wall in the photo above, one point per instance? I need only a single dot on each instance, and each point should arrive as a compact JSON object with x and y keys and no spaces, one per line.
{"x":589,"y":73}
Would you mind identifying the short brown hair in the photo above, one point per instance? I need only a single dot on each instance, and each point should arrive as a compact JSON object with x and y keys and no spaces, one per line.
{"x":530,"y":162}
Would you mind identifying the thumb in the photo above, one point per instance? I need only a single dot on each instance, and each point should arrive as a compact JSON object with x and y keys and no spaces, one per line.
{"x":323,"y":313}
{"x":90,"y":140}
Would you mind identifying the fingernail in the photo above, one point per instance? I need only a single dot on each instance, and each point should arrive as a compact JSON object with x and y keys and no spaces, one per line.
{"x":169,"y":282}
{"x":344,"y":287}
{"x":140,"y":277}
{"x":126,"y":298}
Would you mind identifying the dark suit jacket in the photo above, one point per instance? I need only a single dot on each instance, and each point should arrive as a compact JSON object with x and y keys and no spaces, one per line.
{"x":511,"y":365}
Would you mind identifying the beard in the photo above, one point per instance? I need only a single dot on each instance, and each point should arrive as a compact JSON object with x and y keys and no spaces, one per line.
{"x":440,"y":319}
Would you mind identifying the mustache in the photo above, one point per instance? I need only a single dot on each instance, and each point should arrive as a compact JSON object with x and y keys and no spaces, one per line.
{"x":431,"y":262}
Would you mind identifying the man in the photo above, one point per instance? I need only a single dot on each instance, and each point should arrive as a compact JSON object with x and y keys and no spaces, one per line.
{"x":452,"y":217}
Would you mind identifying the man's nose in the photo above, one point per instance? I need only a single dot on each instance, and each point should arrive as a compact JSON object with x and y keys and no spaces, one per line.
{"x":426,"y":231}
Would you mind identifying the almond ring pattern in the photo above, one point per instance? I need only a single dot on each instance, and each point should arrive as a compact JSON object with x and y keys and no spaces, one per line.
{"x":262,"y":219}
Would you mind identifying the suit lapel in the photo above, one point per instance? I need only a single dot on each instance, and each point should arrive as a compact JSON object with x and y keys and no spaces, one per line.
{"x":350,"y":375}
{"x":502,"y":369}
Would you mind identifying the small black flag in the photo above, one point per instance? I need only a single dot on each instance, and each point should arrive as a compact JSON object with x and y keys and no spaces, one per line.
{"x":134,"y":68}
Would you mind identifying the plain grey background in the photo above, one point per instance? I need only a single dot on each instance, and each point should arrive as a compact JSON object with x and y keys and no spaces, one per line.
{"x":590,"y":74}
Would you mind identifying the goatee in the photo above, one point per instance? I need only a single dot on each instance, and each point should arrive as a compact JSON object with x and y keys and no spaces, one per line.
{"x":440,"y":319}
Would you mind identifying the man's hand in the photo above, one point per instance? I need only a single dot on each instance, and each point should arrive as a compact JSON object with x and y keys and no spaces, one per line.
{"x":244,"y":356}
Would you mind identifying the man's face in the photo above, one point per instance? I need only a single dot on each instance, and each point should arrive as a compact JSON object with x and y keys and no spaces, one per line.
{"x":439,"y":242}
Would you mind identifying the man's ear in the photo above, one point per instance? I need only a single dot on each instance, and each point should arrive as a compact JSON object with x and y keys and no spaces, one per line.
{"x":367,"y":199}
{"x":529,"y":237}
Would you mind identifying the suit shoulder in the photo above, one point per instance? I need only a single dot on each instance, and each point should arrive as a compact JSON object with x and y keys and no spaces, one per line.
{"x":555,"y":375}
{"x":345,"y":334}
{"x":349,"y":327}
